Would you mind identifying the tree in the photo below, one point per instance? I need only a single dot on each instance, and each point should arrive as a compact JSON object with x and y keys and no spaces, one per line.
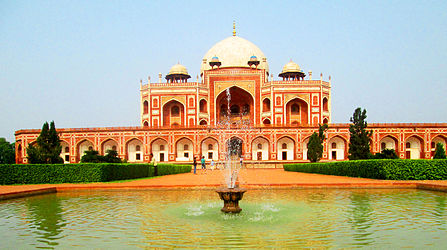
{"x":386,"y":154}
{"x":112,"y":156}
{"x":439,"y":152}
{"x":7,"y":152}
{"x":359,"y":147}
{"x":47,"y":148}
{"x":90,"y":156}
{"x":94,"y":156}
{"x":315,"y":144}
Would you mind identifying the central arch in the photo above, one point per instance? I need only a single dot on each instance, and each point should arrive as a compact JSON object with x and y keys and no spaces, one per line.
{"x":235,"y":147}
{"x":173,"y":113}
{"x":296,"y":110}
{"x":241,"y":106}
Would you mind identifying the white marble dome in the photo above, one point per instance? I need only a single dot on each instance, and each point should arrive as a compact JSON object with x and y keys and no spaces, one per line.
{"x":291,"y":67}
{"x":178,"y":69}
{"x":234,"y":51}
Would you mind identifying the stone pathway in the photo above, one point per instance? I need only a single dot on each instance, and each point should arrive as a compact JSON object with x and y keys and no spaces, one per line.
{"x":249,"y":178}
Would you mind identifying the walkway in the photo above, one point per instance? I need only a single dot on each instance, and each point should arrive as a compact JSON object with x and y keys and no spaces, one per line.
{"x":249,"y":178}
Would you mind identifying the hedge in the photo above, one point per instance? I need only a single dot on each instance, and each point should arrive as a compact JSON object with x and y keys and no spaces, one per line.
{"x":392,"y":169}
{"x":81,"y":172}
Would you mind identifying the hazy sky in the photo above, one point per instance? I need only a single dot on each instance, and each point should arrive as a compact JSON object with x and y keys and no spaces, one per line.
{"x":79,"y":62}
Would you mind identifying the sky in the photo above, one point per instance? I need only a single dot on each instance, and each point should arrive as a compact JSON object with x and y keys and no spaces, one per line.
{"x":79,"y":63}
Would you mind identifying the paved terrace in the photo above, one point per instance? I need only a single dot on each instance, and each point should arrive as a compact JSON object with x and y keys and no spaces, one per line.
{"x":249,"y":178}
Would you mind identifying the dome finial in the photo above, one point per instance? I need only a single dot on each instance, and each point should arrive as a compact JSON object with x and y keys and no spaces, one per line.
{"x":234,"y":28}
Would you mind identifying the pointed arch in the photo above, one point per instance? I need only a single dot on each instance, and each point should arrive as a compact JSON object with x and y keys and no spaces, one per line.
{"x":160,"y":149}
{"x":134,"y":150}
{"x":337,"y":147}
{"x":235,"y":146}
{"x":260,"y":148}
{"x":203,"y":106}
{"x":266,"y":104}
{"x":286,"y":148}
{"x":241,"y":105}
{"x":109,"y":144}
{"x":304,"y":147}
{"x":145,"y":107}
{"x":173,"y":113}
{"x":267,"y":122}
{"x":325,"y":104}
{"x":184,"y":149}
{"x":414,"y":147}
{"x":82,"y":146}
{"x":435,"y":140}
{"x":65,"y":152}
{"x":297,"y":111}
{"x":210,"y":148}
{"x":389,"y":142}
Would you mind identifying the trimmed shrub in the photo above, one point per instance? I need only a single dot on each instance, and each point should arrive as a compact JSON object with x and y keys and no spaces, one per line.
{"x":167,"y":169}
{"x":386,"y":169}
{"x":81,"y":172}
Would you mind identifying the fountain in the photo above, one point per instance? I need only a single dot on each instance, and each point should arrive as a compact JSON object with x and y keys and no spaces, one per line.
{"x":231,"y":194}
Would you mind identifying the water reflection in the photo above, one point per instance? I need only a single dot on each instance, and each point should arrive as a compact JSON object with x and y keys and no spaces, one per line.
{"x":187,"y":219}
{"x":46,"y":218}
{"x":360,"y":218}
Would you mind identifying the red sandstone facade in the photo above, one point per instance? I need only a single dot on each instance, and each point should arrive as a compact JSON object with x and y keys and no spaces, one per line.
{"x":181,"y":119}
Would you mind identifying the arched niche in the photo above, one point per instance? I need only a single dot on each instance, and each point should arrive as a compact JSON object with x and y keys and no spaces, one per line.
{"x":134,"y":150}
{"x":65,"y":151}
{"x":414,"y":147}
{"x":83,"y":146}
{"x":325,"y":105}
{"x":337,"y":148}
{"x":184,"y":149}
{"x":203,"y":108}
{"x":160,"y":149}
{"x":266,"y":105}
{"x":436,"y":140}
{"x":210,"y":149}
{"x":173,"y":113}
{"x":260,"y":149}
{"x":304,"y":147}
{"x":296,"y":111}
{"x":286,"y":149}
{"x":388,"y":142}
{"x":109,"y":144}
{"x":145,"y":107}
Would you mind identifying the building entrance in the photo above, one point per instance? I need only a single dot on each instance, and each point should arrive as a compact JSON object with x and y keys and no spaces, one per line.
{"x":235,"y":147}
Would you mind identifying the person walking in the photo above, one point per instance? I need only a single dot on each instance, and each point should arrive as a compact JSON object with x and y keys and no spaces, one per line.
{"x":154,"y":163}
{"x":203,"y":163}
{"x":212,"y":164}
{"x":194,"y":163}
{"x":241,"y":161}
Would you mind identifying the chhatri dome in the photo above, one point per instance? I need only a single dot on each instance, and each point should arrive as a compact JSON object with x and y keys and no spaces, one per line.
{"x":292,"y":71}
{"x":178,"y":69}
{"x":234,"y":51}
{"x":177,"y":73}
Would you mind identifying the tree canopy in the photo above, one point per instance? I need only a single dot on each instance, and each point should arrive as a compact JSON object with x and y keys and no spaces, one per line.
{"x":439,"y":152}
{"x":7,"y":152}
{"x":359,"y":147}
{"x":94,"y":157}
{"x":386,"y":154}
{"x":47,"y":148}
{"x":315,"y":144}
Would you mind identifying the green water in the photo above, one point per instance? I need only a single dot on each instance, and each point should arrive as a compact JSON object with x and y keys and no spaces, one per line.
{"x":306,"y":218}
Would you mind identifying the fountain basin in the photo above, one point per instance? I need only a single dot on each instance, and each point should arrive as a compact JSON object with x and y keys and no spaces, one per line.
{"x":231,"y":198}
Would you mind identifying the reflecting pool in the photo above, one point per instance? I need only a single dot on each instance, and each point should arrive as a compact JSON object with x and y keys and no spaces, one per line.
{"x":278,"y":218}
